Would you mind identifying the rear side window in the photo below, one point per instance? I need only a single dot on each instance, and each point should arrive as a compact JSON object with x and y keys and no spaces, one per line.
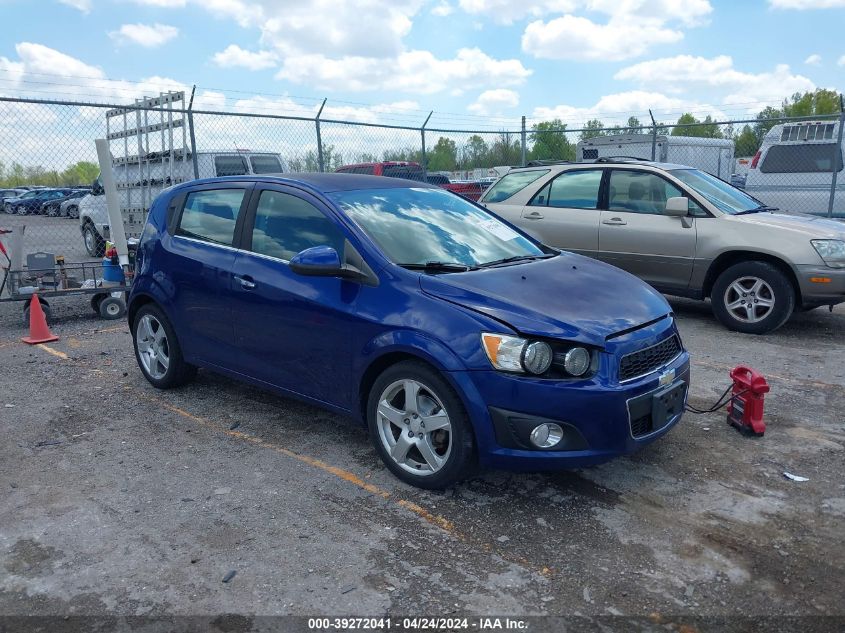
{"x":266,"y":165}
{"x":286,"y":225}
{"x":810,"y":158}
{"x":230,"y":165}
{"x":512,"y":183}
{"x":411,"y":172}
{"x":577,"y":189}
{"x":211,"y":215}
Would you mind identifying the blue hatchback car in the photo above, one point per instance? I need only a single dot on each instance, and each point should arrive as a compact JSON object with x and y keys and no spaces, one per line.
{"x":454,"y":336}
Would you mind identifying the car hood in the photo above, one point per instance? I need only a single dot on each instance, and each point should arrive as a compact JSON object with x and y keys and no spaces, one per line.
{"x":568,"y":297}
{"x":809,"y":225}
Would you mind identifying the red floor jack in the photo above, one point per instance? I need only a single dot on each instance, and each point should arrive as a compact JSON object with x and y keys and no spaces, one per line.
{"x":745,"y":408}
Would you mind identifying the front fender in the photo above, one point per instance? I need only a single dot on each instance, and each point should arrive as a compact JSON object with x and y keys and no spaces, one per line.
{"x":408,"y":342}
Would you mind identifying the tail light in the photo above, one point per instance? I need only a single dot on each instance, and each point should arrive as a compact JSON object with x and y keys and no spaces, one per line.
{"x":756,"y":159}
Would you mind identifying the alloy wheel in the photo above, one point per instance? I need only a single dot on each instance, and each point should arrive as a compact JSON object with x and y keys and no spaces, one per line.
{"x":749,"y":299}
{"x":414,"y":427}
{"x":153,"y":347}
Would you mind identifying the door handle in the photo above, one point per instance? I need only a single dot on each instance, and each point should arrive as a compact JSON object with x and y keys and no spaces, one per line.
{"x":614,"y":222}
{"x":534,"y":215}
{"x":246,"y":282}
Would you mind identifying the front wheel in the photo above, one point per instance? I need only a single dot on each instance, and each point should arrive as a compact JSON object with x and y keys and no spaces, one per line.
{"x":94,"y":244}
{"x":157,"y":349}
{"x":20,"y":210}
{"x":753,"y":297}
{"x":73,"y":211}
{"x":419,"y":426}
{"x":52,"y":211}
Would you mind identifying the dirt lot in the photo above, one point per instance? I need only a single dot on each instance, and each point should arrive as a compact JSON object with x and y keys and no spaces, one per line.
{"x":119,"y":499}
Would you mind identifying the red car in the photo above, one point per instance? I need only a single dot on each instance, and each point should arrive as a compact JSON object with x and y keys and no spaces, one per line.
{"x":414,"y":171}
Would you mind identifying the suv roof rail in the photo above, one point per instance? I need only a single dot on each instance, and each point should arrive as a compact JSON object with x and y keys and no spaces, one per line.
{"x":621,"y":159}
{"x":544,"y":161}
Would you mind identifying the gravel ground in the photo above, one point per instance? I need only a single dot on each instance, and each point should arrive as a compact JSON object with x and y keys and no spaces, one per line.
{"x":122,"y":500}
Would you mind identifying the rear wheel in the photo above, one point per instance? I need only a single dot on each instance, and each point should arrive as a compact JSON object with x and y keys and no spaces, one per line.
{"x":157,"y":349}
{"x":112,"y":308}
{"x":753,"y":297}
{"x":20,"y":210}
{"x":45,"y":307}
{"x":419,"y":426}
{"x":52,"y":211}
{"x":94,"y":244}
{"x":73,"y":211}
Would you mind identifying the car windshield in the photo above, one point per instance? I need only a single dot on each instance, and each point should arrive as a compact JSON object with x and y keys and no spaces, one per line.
{"x":422,"y":226}
{"x":725,"y":197}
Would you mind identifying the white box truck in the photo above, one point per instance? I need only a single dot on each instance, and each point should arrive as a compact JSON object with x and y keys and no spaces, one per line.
{"x":713,"y":155}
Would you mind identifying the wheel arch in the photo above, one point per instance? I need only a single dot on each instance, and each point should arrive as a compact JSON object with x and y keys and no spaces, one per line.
{"x":727,"y":259}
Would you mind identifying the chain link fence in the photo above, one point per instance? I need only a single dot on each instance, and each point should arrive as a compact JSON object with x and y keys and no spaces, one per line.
{"x":48,"y":160}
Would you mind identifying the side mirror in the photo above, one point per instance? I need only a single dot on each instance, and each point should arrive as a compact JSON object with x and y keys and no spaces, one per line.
{"x":677,"y":207}
{"x":97,"y":188}
{"x":322,"y":261}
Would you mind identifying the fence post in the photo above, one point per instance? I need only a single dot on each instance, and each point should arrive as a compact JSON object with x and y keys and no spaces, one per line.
{"x":422,"y":138}
{"x":193,"y":137}
{"x":320,"y":164}
{"x":653,"y":136}
{"x":837,"y":154}
{"x":524,"y":136}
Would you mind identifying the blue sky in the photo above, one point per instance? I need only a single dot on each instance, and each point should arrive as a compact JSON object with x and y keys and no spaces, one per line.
{"x":476,"y":63}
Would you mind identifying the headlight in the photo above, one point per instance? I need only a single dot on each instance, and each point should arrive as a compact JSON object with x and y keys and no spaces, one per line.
{"x":831,"y":251}
{"x":512,"y":353}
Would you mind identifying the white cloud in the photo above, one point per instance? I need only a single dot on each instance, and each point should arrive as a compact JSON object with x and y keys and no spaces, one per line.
{"x":813,"y":60}
{"x":509,"y":11}
{"x":841,"y":61}
{"x":443,"y":9}
{"x":685,"y":71}
{"x":80,"y":5}
{"x":807,"y":4}
{"x":633,"y":27}
{"x":147,"y":35}
{"x":411,"y":71}
{"x":236,"y":57}
{"x":163,"y":4}
{"x":494,"y":102}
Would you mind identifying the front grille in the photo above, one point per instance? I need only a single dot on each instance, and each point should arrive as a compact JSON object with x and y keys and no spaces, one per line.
{"x":646,"y":360}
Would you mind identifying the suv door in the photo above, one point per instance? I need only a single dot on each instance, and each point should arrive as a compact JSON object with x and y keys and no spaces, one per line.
{"x":198,"y":260}
{"x":637,"y":236}
{"x":565,"y":212}
{"x":292,"y":331}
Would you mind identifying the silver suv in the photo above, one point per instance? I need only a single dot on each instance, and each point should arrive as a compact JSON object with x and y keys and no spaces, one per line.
{"x":683,"y":231}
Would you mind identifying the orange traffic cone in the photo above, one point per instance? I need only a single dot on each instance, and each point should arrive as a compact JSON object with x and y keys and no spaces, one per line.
{"x":38,"y":330}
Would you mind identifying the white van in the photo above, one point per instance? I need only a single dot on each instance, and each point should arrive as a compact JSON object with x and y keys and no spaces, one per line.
{"x":138,"y":185}
{"x":794,"y":168}
{"x":713,"y":155}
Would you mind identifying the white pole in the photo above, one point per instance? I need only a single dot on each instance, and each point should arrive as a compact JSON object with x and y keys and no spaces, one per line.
{"x":116,"y":228}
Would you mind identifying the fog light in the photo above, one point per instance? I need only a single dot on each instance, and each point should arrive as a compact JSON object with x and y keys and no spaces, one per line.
{"x":546,"y":435}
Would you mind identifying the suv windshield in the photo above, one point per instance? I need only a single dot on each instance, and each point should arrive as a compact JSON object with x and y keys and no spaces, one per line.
{"x":725,"y":197}
{"x":419,"y":226}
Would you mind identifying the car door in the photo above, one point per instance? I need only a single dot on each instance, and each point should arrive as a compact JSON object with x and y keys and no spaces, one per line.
{"x":565,"y":212}
{"x":636,"y":235}
{"x":199,"y":258}
{"x":292,"y":331}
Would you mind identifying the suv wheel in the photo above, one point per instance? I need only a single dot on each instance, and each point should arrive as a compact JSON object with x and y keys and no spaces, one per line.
{"x":419,"y":426}
{"x":94,"y":244}
{"x":157,"y":349}
{"x":752,"y":297}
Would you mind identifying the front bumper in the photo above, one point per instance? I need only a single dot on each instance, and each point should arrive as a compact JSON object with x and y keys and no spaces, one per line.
{"x":596,"y":416}
{"x":821,"y":285}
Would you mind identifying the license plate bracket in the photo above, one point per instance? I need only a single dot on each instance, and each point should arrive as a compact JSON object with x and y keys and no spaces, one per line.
{"x":667,"y":403}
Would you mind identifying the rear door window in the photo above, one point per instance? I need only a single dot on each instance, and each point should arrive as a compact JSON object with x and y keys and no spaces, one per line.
{"x":211,"y":215}
{"x":810,"y":158}
{"x":512,"y":183}
{"x":266,"y":165}
{"x":230,"y":165}
{"x":286,"y":225}
{"x":577,"y":189}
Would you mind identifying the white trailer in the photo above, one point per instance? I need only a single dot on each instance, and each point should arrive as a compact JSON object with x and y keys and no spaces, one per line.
{"x":713,"y":155}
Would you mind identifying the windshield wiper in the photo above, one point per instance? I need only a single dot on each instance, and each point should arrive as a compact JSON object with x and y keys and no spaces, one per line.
{"x":449,"y":267}
{"x":762,"y":207}
{"x":515,"y":258}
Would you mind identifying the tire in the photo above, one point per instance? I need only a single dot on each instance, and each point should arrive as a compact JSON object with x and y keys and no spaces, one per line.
{"x":8,"y":209}
{"x":112,"y":308}
{"x":48,"y":313}
{"x":145,"y":341}
{"x":96,"y":300}
{"x":73,"y":211}
{"x":433,"y":459}
{"x":20,"y":210}
{"x":94,"y":244}
{"x":760,"y":282}
{"x":52,"y":211}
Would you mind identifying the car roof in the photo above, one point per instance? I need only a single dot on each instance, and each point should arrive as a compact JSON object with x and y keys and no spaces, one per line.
{"x":620,"y":163}
{"x":321,"y":182}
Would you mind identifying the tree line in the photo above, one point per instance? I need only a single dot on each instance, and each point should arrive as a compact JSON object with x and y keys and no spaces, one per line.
{"x":16,"y":175}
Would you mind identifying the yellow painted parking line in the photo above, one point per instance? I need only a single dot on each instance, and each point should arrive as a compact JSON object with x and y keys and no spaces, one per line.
{"x":52,"y":351}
